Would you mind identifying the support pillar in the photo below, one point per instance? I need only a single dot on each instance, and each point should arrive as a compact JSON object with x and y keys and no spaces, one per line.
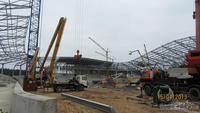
{"x":20,"y":70}
{"x":2,"y":68}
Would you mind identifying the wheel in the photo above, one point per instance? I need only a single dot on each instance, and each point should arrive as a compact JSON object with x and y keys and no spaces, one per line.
{"x":78,"y":88}
{"x":81,"y":88}
{"x":194,"y":94}
{"x":58,"y":89}
{"x":54,"y":89}
{"x":147,"y":90}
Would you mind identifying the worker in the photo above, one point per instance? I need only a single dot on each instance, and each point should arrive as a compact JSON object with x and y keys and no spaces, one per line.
{"x":77,"y":56}
{"x":45,"y":75}
{"x":74,"y":78}
{"x":141,"y":88}
{"x":75,"y":81}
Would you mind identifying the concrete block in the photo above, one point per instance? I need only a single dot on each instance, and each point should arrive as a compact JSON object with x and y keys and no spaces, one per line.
{"x":24,"y":102}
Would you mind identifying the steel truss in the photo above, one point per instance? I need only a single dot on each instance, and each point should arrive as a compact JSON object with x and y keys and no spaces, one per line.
{"x":164,"y":57}
{"x":16,"y":18}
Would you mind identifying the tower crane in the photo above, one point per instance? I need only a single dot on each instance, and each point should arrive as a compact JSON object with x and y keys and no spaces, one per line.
{"x":104,"y":56}
{"x":105,"y":50}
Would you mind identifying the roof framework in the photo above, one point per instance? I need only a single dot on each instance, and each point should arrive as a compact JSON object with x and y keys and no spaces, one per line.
{"x":14,"y":21}
{"x":164,"y":57}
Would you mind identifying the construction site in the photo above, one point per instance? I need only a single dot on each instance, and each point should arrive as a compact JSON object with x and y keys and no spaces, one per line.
{"x":81,"y":56}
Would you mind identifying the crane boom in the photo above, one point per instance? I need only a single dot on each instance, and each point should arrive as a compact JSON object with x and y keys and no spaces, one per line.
{"x":57,"y":34}
{"x":98,"y":44}
{"x":197,"y":18}
{"x":51,"y":44}
{"x":104,"y":55}
{"x":60,"y":32}
{"x":147,"y":68}
{"x":193,"y":56}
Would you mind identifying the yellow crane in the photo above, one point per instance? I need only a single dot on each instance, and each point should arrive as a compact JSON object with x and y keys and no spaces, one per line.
{"x":29,"y":81}
{"x":145,"y":64}
{"x":57,"y":34}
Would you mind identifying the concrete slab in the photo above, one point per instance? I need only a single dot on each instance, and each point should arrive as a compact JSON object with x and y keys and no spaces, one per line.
{"x":6,"y":93}
{"x":24,"y":102}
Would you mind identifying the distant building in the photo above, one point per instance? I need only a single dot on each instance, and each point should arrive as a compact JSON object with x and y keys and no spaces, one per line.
{"x":87,"y":66}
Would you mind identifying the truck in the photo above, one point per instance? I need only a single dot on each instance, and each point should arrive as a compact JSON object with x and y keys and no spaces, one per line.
{"x":187,"y":83}
{"x":78,"y":83}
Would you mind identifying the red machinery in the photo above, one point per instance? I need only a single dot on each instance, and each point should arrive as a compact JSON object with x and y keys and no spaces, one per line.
{"x":77,"y":56}
{"x":193,"y":56}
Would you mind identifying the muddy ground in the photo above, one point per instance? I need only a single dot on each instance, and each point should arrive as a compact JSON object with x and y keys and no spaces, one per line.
{"x":124,"y":100}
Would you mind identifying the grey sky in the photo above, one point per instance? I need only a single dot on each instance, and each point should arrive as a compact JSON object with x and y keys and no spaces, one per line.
{"x":120,"y":25}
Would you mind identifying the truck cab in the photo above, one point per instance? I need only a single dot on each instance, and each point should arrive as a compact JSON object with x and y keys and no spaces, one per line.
{"x":149,"y":74}
{"x":82,"y":79}
{"x":193,"y":62}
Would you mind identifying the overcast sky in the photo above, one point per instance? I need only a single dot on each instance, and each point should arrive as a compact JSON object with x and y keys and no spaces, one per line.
{"x":119,"y":25}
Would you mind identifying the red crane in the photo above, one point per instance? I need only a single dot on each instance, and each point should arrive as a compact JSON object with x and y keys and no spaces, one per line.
{"x":193,"y":56}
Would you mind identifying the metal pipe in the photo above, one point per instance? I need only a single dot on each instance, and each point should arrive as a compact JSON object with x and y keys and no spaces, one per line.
{"x":93,"y":104}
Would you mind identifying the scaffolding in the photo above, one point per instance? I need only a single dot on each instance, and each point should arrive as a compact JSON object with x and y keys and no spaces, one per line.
{"x":18,"y":18}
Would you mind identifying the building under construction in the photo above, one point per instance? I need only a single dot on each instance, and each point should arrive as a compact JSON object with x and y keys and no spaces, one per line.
{"x":167,"y":77}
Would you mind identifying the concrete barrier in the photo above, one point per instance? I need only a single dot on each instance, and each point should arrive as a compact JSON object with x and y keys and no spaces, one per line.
{"x":24,"y":102}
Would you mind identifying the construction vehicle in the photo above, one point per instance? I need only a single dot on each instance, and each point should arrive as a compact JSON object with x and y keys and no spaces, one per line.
{"x":47,"y":78}
{"x":78,"y":83}
{"x":189,"y":85}
{"x":147,"y":73}
{"x":30,"y":83}
{"x":57,"y":34}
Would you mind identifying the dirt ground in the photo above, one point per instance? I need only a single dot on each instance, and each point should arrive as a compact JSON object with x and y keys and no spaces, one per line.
{"x":123,"y":100}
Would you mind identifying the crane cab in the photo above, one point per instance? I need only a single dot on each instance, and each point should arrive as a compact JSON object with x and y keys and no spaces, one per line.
{"x":82,"y":79}
{"x":149,"y":74}
{"x":193,"y":62}
{"x":193,"y":57}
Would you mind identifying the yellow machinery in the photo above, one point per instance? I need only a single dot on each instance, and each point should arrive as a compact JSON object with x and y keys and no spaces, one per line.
{"x":57,"y":34}
{"x":145,"y":64}
{"x":30,"y":80}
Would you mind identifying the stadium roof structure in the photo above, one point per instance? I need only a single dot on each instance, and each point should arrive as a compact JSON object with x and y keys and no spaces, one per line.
{"x":167,"y":56}
{"x":14,"y":21}
{"x":82,"y":61}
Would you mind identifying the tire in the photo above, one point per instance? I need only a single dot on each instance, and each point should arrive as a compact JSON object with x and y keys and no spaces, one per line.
{"x":81,"y":88}
{"x":194,"y":94}
{"x":58,"y":89}
{"x":147,"y":90}
{"x":54,"y":89}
